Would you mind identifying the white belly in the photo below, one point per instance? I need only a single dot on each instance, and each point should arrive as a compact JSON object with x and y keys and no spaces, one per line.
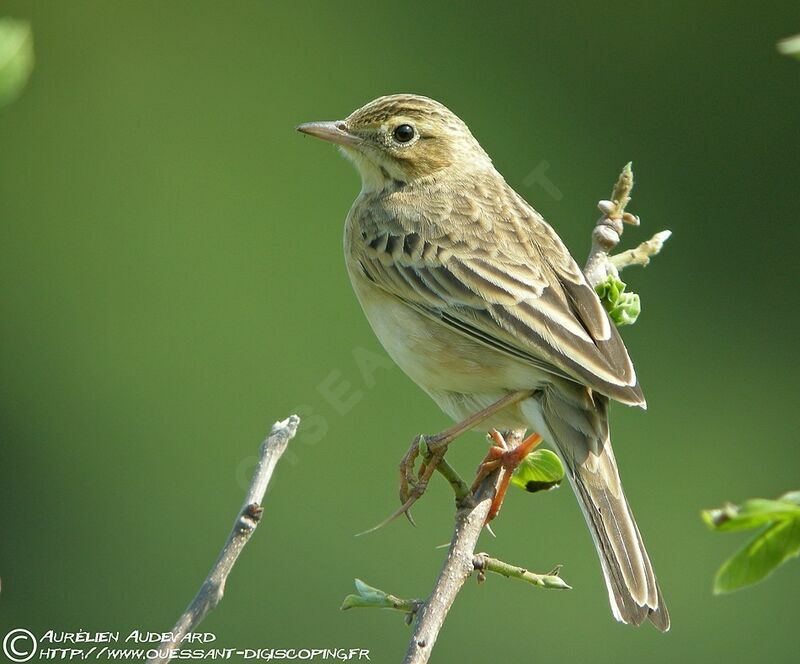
{"x":460,"y":374}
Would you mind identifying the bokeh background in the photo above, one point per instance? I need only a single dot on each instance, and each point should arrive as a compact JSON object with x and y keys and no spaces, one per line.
{"x":172,"y":283}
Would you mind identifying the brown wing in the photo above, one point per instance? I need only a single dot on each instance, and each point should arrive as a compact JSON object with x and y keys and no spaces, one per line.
{"x":485,"y":263}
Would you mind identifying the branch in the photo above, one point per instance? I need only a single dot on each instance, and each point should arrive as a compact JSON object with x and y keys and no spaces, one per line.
{"x":641,"y":254}
{"x":482,"y":562}
{"x":460,"y":563}
{"x":607,"y":234}
{"x":374,"y":598}
{"x":457,"y":568}
{"x":213,"y":587}
{"x":460,"y":487}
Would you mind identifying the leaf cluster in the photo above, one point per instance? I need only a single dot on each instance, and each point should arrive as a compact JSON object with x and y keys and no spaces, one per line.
{"x":776,"y":542}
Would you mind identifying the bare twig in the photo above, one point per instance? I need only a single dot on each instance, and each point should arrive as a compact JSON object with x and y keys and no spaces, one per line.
{"x":461,"y":562}
{"x":213,"y":587}
{"x":460,"y":487}
{"x":457,"y":568}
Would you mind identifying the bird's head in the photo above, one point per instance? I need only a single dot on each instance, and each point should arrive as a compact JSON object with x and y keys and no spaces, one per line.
{"x":400,"y":139}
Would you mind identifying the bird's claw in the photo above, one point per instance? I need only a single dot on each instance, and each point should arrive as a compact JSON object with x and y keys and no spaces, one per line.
{"x":506,"y":458}
{"x":431,"y":449}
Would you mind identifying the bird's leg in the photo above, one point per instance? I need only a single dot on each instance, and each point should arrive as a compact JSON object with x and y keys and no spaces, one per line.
{"x":493,"y":459}
{"x":432,"y":450}
{"x":501,"y":456}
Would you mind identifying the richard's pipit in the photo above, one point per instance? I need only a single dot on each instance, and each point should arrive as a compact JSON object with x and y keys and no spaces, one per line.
{"x":474,"y":295}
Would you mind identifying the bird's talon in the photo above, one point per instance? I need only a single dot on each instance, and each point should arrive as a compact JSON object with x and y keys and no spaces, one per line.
{"x":506,"y":458}
{"x":403,"y":509}
{"x":431,"y":450}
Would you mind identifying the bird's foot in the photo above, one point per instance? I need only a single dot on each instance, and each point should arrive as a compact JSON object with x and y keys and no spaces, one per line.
{"x":413,"y":483}
{"x":506,"y":458}
{"x":431,"y":451}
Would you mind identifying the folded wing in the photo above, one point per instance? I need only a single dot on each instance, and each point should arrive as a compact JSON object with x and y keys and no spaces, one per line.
{"x":507,"y":281}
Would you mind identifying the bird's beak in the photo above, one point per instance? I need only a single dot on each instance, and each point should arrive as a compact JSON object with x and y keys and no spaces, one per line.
{"x":333,"y":132}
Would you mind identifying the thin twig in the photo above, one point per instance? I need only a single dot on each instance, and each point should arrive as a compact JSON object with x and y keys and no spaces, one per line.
{"x":482,"y":562}
{"x":213,"y":587}
{"x":456,"y":570}
{"x":457,"y":483}
{"x":608,"y":230}
{"x":369,"y":597}
{"x":641,"y":255}
{"x":607,"y":234}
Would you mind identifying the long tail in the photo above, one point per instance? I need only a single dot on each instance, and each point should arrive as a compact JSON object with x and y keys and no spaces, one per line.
{"x":577,"y":424}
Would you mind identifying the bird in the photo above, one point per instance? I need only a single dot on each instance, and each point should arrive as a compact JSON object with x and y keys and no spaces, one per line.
{"x":474,"y":295}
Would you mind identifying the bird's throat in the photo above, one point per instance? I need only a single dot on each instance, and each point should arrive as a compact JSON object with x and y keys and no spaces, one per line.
{"x":375,"y":177}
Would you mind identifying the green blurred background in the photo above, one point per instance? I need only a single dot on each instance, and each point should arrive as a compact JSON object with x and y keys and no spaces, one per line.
{"x":172,"y":283}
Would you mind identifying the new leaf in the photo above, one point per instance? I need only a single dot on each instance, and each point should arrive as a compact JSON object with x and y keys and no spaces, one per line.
{"x":778,"y":541}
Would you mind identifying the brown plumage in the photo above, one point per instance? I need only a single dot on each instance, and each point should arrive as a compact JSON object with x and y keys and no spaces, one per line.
{"x":474,"y":295}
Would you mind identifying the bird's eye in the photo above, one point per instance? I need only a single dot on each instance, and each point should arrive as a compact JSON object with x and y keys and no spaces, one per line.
{"x":403,"y":133}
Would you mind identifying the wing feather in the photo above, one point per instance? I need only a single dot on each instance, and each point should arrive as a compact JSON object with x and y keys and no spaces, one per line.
{"x":504,"y":279}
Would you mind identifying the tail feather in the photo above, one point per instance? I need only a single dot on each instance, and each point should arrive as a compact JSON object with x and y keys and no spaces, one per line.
{"x":579,"y":431}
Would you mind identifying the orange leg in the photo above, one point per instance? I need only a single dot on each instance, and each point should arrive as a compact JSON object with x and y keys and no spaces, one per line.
{"x":432,"y":450}
{"x":413,"y":485}
{"x":500,"y":456}
{"x":493,"y":459}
